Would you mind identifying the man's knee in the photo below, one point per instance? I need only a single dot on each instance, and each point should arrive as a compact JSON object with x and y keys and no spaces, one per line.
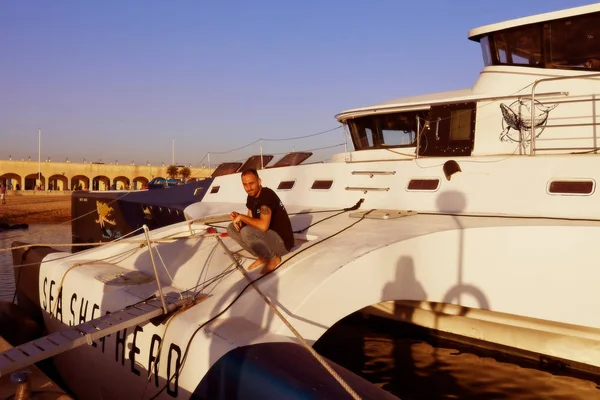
{"x":234,"y":233}
{"x":250,"y":234}
{"x":231,"y":229}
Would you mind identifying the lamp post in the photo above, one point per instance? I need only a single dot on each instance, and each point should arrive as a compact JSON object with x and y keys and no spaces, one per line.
{"x":39,"y":156}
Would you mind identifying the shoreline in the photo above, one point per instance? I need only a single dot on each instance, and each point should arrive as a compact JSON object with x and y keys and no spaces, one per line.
{"x":47,"y":209}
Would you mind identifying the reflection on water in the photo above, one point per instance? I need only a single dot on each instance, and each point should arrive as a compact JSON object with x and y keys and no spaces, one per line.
{"x":44,"y":234}
{"x":402,"y":360}
{"x":412,"y":364}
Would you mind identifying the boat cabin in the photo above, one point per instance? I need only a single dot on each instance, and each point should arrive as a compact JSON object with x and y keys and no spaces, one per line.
{"x":539,"y":74}
{"x":551,"y":41}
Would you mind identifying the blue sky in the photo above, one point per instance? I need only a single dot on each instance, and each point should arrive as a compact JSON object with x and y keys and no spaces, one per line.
{"x":118,"y":80}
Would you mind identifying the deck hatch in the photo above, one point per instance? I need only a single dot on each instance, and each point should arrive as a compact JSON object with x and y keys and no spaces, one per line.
{"x":572,"y":187}
{"x":427,"y":184}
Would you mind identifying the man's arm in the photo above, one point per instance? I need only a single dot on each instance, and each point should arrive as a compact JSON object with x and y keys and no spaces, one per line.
{"x":261,"y":223}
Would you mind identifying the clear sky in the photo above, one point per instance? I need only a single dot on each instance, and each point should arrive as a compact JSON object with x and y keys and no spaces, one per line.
{"x":119,"y":79}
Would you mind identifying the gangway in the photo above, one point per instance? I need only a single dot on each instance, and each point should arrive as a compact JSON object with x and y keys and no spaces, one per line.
{"x":75,"y":336}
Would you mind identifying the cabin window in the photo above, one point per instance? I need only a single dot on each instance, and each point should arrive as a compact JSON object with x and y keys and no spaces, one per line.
{"x":368,"y":139}
{"x":574,"y":43}
{"x":449,"y":130}
{"x":386,"y":130}
{"x":428,"y":184}
{"x":460,"y":124}
{"x":215,"y":189}
{"x":519,"y":46}
{"x":567,"y":43}
{"x":322,"y":185}
{"x":486,"y":51}
{"x":572,"y":187}
{"x":286,"y":185}
{"x":396,"y":136}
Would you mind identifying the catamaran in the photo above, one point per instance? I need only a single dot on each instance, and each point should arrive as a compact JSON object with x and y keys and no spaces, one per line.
{"x":472,"y":212}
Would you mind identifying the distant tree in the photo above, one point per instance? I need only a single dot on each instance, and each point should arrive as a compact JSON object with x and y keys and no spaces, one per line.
{"x":185,"y":173}
{"x":172,"y":171}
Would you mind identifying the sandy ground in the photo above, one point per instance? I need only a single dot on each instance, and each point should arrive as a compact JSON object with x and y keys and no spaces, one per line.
{"x":35,"y":209}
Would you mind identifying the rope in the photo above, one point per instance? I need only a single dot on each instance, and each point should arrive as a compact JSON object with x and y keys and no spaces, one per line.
{"x":316,"y":355}
{"x":239,"y":295}
{"x":62,"y":280}
{"x":137,"y":241}
{"x":126,"y":254}
{"x":302,"y":137}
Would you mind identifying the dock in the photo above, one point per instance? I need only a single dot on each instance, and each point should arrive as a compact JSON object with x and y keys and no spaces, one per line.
{"x":42,"y":387}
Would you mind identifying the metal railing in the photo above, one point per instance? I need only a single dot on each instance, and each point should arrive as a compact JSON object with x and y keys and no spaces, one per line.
{"x":593,"y":100}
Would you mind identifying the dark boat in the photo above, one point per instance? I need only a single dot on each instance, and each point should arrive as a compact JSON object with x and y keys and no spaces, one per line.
{"x":109,"y":215}
{"x":103,"y":216}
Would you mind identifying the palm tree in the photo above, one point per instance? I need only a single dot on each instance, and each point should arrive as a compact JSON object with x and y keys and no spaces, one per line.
{"x":172,"y":171}
{"x":185,"y":173}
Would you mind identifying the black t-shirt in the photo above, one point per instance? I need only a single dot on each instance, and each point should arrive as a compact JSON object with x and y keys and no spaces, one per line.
{"x":280,"y":222}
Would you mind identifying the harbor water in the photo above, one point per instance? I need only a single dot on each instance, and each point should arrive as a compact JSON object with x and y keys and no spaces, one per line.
{"x":408,"y":362}
{"x":36,"y":233}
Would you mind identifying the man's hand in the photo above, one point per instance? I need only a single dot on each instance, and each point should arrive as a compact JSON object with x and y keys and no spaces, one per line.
{"x":237,"y":220}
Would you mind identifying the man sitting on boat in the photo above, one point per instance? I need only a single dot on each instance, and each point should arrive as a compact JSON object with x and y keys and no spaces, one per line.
{"x":266,"y":231}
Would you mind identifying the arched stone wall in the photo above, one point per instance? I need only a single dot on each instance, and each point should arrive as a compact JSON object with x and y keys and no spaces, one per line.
{"x":80,"y":182}
{"x":25,"y":174}
{"x":100,"y":182}
{"x":58,"y":182}
{"x":11,"y":181}
{"x":121,"y":183}
{"x":34,"y":182}
{"x":139,"y":182}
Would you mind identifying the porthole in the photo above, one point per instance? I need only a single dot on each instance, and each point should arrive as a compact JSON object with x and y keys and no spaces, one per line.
{"x":286,"y":185}
{"x":572,"y":187}
{"x":429,"y":185}
{"x":322,"y":185}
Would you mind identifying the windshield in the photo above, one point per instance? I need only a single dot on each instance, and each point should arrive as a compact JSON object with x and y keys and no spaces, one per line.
{"x":386,"y":130}
{"x":568,"y":43}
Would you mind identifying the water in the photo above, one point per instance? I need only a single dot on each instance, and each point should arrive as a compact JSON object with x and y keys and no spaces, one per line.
{"x":406,"y":361}
{"x":412,"y":364}
{"x":38,"y":233}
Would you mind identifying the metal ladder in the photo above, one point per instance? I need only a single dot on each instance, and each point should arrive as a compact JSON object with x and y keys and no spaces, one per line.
{"x":75,"y":336}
